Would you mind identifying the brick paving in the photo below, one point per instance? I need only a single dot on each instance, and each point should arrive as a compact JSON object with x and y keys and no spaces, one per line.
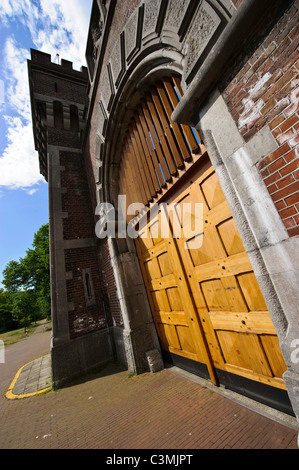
{"x":113,"y":410}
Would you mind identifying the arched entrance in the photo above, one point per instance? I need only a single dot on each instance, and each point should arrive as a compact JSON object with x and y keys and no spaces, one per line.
{"x":209,"y":312}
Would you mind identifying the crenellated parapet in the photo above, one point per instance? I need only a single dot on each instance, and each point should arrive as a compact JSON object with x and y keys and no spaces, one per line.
{"x":58,"y":101}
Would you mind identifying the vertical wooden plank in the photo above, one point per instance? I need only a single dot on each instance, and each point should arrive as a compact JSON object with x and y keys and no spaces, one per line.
{"x":136,"y":171}
{"x":166,"y":130}
{"x":177,"y":82}
{"x":147,"y":153}
{"x":141,"y":157}
{"x":134,"y":188}
{"x":145,"y":161}
{"x":137,"y":193}
{"x":157,"y":144}
{"x":140,"y":167}
{"x":160,"y":133}
{"x":184,"y":149}
{"x":193,"y":144}
{"x":152,"y":150}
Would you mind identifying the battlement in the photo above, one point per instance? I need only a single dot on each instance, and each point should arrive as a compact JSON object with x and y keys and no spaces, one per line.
{"x":44,"y":59}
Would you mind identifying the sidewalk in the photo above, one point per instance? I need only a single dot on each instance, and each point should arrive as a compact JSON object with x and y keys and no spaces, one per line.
{"x":114,"y":410}
{"x":32,"y":379}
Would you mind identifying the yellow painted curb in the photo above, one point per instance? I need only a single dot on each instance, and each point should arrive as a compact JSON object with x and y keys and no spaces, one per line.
{"x":11,"y":396}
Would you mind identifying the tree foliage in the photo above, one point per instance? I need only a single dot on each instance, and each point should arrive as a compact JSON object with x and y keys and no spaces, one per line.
{"x":27,"y":284}
{"x":7,"y":321}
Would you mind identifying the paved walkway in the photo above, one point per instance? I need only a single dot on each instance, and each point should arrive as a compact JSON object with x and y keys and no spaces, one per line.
{"x":114,"y":410}
{"x":32,"y":379}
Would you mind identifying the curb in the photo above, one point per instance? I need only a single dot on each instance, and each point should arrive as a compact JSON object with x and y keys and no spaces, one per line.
{"x":11,"y":396}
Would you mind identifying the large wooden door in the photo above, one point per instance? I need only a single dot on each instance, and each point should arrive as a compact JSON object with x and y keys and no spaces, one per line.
{"x":206,"y":302}
{"x":169,"y":295}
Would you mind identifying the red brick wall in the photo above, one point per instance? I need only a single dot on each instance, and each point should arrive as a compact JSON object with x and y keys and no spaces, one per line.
{"x":84,"y":318}
{"x":109,"y":285}
{"x":62,"y":137}
{"x":78,"y":203}
{"x":80,"y":224}
{"x":65,"y":89}
{"x":266,"y":92}
{"x":76,"y":199}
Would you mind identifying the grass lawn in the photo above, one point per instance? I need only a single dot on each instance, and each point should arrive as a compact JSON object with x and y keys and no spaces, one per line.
{"x":11,"y":337}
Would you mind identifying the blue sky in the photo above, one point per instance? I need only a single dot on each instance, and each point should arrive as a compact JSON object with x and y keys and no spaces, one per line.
{"x":56,"y":27}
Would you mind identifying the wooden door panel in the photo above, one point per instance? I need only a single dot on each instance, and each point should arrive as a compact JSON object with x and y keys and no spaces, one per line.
{"x":271,"y":346}
{"x":251,"y":291}
{"x":236,"y":323}
{"x":206,"y":301}
{"x":169,"y":337}
{"x":259,"y":323}
{"x":173,"y":308}
{"x":212,"y":191}
{"x":160,"y":269}
{"x":230,"y":237}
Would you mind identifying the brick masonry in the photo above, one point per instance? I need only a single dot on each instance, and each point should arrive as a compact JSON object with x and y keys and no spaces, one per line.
{"x":149,"y":411}
{"x":74,"y":202}
{"x":266,"y":92}
{"x":263,"y":93}
{"x":109,"y":286}
{"x":79,"y":224}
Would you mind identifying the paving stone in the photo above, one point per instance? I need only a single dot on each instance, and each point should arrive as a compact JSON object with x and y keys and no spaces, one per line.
{"x":113,"y":410}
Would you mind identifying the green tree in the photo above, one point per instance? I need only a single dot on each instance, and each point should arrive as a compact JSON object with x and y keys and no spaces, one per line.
{"x":24,"y":307}
{"x":7,"y":321}
{"x":28,"y":281}
{"x":13,"y":276}
{"x":36,"y":270}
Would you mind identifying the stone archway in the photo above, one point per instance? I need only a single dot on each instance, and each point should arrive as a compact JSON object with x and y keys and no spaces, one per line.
{"x":164,"y":32}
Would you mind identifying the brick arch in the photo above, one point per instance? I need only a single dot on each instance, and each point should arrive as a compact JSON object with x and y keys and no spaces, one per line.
{"x":156,"y":151}
{"x":154,"y":67}
{"x":201,"y":44}
{"x":156,"y":38}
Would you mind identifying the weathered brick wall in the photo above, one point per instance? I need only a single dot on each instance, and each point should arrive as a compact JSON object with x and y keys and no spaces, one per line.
{"x":84,"y":318}
{"x":79,"y":222}
{"x":266,"y":92}
{"x":109,"y":285}
{"x":60,"y":88}
{"x":64,"y":138}
{"x":78,"y":225}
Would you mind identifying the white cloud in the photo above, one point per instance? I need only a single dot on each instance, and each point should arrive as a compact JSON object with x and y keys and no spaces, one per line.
{"x":31,"y":191}
{"x":58,"y":26}
{"x":17,"y":89}
{"x":19,"y":167}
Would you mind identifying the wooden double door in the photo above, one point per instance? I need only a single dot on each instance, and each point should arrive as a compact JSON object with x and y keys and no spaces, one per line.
{"x":206,"y":302}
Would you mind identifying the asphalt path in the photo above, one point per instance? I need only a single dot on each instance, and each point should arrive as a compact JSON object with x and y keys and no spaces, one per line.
{"x":19,"y":354}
